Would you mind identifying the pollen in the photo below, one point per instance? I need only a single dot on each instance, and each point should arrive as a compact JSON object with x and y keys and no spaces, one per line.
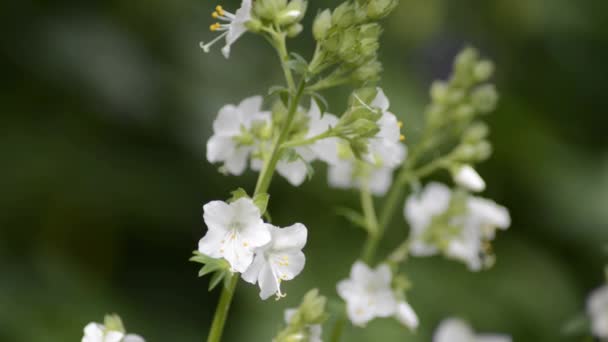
{"x":215,"y":15}
{"x":245,"y":244}
{"x":219,"y":10}
{"x":401,"y":137}
{"x":400,"y":124}
{"x":215,"y":27}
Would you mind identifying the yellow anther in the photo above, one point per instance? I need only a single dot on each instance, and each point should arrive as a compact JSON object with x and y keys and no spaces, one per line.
{"x":401,"y":137}
{"x":219,"y":10}
{"x":245,"y":244}
{"x":215,"y":15}
{"x":222,"y":250}
{"x":215,"y":27}
{"x":400,"y":124}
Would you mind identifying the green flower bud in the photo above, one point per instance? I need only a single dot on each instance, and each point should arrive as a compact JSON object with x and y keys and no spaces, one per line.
{"x":348,"y":45}
{"x":113,"y":323}
{"x":365,"y":95}
{"x":294,"y":30}
{"x":321,"y":25}
{"x":483,"y":70}
{"x":464,"y":112}
{"x":378,"y":9}
{"x":363,"y":128}
{"x":476,"y":132}
{"x":439,"y":91}
{"x":359,"y":147}
{"x":466,"y":59}
{"x":455,"y":96}
{"x":268,"y":9}
{"x":344,"y":15}
{"x":483,"y":150}
{"x":293,"y":13}
{"x":484,"y":98}
{"x":313,"y":307}
{"x":254,"y":25}
{"x":369,"y":71}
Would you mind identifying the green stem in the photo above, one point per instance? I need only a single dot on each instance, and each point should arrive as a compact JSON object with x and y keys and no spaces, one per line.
{"x":221,"y":311}
{"x":280,"y":45}
{"x":308,"y":141}
{"x":338,"y":329}
{"x":374,"y":230}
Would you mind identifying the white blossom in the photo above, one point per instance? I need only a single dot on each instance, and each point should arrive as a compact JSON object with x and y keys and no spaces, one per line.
{"x":597,"y":309}
{"x":368,"y":293}
{"x":313,"y":331}
{"x":385,"y":154}
{"x":234,"y":231}
{"x":233,"y":28}
{"x":405,"y":315}
{"x":223,"y":146}
{"x":468,"y":178}
{"x":279,"y":260}
{"x":95,"y":332}
{"x":474,"y":227}
{"x":456,"y":330}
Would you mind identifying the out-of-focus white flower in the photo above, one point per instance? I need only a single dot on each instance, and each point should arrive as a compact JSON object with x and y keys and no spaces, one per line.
{"x":232,"y":123}
{"x":95,"y":332}
{"x":456,"y":330}
{"x":385,"y":154}
{"x":313,"y":332}
{"x":468,"y":178}
{"x":279,"y":260}
{"x":233,"y":28}
{"x":597,"y":309}
{"x":368,"y":293}
{"x":295,"y":171}
{"x":468,"y":232}
{"x":234,"y":231}
{"x":406,"y":315}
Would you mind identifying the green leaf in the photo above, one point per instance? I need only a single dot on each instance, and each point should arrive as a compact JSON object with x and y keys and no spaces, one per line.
{"x":290,"y":155}
{"x":321,"y":101}
{"x":298,"y":64}
{"x":200,"y":258}
{"x":353,"y":216}
{"x":310,"y":171}
{"x":216,"y":278}
{"x":261,"y":201}
{"x":237,"y":194}
{"x":211,"y":267}
{"x":277,"y":90}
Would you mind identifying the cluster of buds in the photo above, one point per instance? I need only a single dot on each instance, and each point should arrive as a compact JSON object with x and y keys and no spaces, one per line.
{"x":269,"y":13}
{"x":304,"y":322}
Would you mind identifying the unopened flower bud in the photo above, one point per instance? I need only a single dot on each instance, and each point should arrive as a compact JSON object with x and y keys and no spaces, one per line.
{"x":292,"y":13}
{"x":439,"y":91}
{"x":484,"y":98}
{"x":464,"y":112}
{"x":466,"y":177}
{"x":113,"y":323}
{"x":378,"y":9}
{"x":466,"y":59}
{"x":321,"y":25}
{"x":344,"y":15}
{"x":368,"y":72}
{"x":294,"y":30}
{"x":269,"y":9}
{"x":483,"y":70}
{"x":483,"y":150}
{"x":476,"y":132}
{"x":254,"y":25}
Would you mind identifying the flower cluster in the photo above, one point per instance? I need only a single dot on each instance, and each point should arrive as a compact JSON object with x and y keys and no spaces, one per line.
{"x":368,"y":294}
{"x":111,"y":331}
{"x":304,"y":322}
{"x":457,"y":330}
{"x":456,"y":224}
{"x":263,"y":253}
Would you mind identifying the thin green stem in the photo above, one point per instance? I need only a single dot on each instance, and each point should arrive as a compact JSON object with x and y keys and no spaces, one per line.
{"x":221,"y":311}
{"x":308,"y":141}
{"x":281,"y":46}
{"x":338,"y":329}
{"x":373,"y":228}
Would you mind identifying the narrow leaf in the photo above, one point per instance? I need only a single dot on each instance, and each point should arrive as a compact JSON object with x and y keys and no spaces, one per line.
{"x":216,"y":278}
{"x":261,"y":201}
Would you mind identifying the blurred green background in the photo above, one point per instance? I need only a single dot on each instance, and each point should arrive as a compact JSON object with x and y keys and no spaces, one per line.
{"x":106,"y":107}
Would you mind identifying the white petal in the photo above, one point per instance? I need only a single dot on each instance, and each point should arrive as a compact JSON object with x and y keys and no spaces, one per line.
{"x":113,"y":336}
{"x":361,"y":273}
{"x":493,"y":338}
{"x":219,"y":148}
{"x":295,"y":172}
{"x":253,"y":271}
{"x":453,"y":330}
{"x":268,"y":282}
{"x":93,"y":332}
{"x":359,"y":312}
{"x":226,"y":50}
{"x":288,"y":314}
{"x":236,"y":162}
{"x":255,"y":235}
{"x":380,"y":101}
{"x":421,"y":208}
{"x":249,"y":110}
{"x":487,"y":212}
{"x":315,"y":331}
{"x":133,"y":338}
{"x":238,"y":256}
{"x":327,"y":150}
{"x":246,"y":212}
{"x":289,"y":238}
{"x":380,"y":181}
{"x":287,"y":266}
{"x":340,"y":175}
{"x":389,"y":128}
{"x":406,"y":315}
{"x":346,"y":289}
{"x":228,"y":121}
{"x":218,"y":215}
{"x":597,"y":309}
{"x":469,"y":179}
{"x":384,"y":303}
{"x":211,"y":244}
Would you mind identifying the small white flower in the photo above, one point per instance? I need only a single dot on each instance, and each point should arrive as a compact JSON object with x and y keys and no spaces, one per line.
{"x":279,"y":260}
{"x":597,"y":309}
{"x":347,"y":175}
{"x":313,"y":333}
{"x":368,"y":293}
{"x":456,"y":330}
{"x":95,"y":332}
{"x":227,"y":127}
{"x":406,"y":315}
{"x":386,"y":149}
{"x":234,"y":231}
{"x":233,"y":29}
{"x":468,"y":178}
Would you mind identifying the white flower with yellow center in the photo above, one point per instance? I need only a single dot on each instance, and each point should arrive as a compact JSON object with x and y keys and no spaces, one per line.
{"x":368,"y":293}
{"x":231,"y":142}
{"x":456,"y":330}
{"x":232,"y":28}
{"x":234,"y":231}
{"x":313,"y":332}
{"x":95,"y":332}
{"x":597,"y":309}
{"x":279,"y":260}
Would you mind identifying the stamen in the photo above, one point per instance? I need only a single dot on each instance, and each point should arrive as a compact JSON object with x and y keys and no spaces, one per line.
{"x":219,"y":10}
{"x":215,"y":27}
{"x":215,"y":15}
{"x":401,"y":137}
{"x":400,"y":124}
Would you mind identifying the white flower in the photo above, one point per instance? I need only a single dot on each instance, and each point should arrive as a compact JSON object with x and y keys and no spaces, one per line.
{"x":234,"y":27}
{"x":313,"y":333}
{"x":227,"y":127}
{"x":406,"y":315}
{"x":95,"y":332}
{"x":279,"y":260}
{"x":468,"y":178}
{"x":476,"y":225}
{"x":385,"y":154}
{"x":456,"y":330}
{"x":234,"y":231}
{"x":295,"y":171}
{"x":367,"y":293}
{"x":597,"y":309}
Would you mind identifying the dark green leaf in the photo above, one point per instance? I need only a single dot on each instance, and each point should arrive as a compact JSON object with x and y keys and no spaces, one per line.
{"x":216,"y":278}
{"x":237,"y":194}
